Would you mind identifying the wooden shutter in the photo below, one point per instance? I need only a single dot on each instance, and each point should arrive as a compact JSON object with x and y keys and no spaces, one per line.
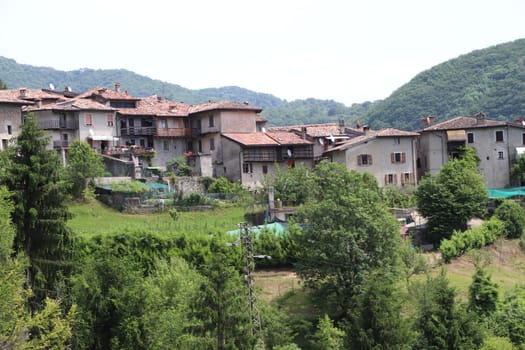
{"x":402,"y":179}
{"x":369,"y":159}
{"x":393,"y":157}
{"x":412,"y":182}
{"x":403,"y":157}
{"x":386,"y":179}
{"x":395,"y":179}
{"x":359,"y":162}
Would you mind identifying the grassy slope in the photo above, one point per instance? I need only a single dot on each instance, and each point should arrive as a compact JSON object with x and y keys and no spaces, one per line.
{"x":95,"y":218}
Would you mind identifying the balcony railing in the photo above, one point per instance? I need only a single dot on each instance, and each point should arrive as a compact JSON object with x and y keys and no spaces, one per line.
{"x":60,"y":144}
{"x":174,"y":132}
{"x":57,"y":124}
{"x":138,"y":130}
{"x":259,"y":155}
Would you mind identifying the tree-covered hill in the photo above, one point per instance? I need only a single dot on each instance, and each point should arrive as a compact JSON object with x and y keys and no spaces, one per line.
{"x":490,"y":80}
{"x":276,"y":110}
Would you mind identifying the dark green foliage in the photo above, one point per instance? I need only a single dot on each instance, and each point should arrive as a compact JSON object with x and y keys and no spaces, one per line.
{"x":83,"y":164}
{"x":3,"y":86}
{"x":347,"y":232}
{"x":490,"y":80}
{"x":509,"y":320}
{"x":178,"y":166}
{"x":293,"y":185}
{"x":223,"y":185}
{"x":278,"y":246}
{"x":276,"y":326}
{"x":452,"y":197}
{"x":517,"y":171}
{"x":483,"y":293}
{"x":376,"y":321}
{"x":440,"y":323}
{"x":474,"y":238}
{"x":513,"y":215}
{"x":40,"y":214}
{"x":396,"y":197}
{"x":192,"y":199}
{"x":327,"y":336}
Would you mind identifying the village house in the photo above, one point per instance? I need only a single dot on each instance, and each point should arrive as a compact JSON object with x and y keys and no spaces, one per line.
{"x":250,"y":157}
{"x":497,"y":144}
{"x":388,"y":154}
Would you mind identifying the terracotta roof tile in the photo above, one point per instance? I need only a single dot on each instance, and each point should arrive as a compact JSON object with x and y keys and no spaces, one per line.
{"x":372,"y":134}
{"x":156,"y":106}
{"x":108,"y":94}
{"x":464,"y":123}
{"x":288,"y":138}
{"x":223,"y":105}
{"x":27,"y":95}
{"x":72,"y":105}
{"x":389,"y":132}
{"x":317,"y":130}
{"x":252,"y":139}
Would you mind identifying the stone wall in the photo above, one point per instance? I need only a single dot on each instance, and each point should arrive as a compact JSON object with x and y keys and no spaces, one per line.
{"x":185,"y":185}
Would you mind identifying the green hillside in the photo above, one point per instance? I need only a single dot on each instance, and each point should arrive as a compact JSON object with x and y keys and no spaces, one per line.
{"x":491,"y":80}
{"x":276,"y":110}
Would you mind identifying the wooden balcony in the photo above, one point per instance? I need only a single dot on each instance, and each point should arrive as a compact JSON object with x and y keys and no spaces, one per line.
{"x":138,"y":131}
{"x":174,"y":132}
{"x":58,"y":125}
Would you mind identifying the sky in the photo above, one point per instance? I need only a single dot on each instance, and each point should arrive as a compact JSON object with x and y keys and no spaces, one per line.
{"x":344,"y":50}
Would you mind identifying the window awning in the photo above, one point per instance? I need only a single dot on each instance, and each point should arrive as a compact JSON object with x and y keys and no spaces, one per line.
{"x":102,"y":138}
{"x":456,"y":135}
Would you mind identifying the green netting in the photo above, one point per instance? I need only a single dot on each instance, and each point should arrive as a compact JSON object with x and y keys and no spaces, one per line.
{"x":506,"y":192}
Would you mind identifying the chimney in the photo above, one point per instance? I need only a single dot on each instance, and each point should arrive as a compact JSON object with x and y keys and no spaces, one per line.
{"x":427,"y":121}
{"x":341,"y":126}
{"x":117,"y":87}
{"x":23,"y":92}
{"x":480,"y":118}
{"x":303,"y":132}
{"x":366,"y":128}
{"x":520,"y":121}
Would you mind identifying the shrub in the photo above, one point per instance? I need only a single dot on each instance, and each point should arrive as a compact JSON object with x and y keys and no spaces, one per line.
{"x":193,"y":199}
{"x":223,"y":185}
{"x":475,"y":238}
{"x":178,"y":166}
{"x":174,"y":214}
{"x":513,"y":215}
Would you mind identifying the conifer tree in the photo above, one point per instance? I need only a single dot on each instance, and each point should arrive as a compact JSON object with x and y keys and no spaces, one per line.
{"x":39,"y":216}
{"x":483,"y":293}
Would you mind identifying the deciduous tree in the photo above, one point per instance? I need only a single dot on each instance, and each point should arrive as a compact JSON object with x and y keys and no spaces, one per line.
{"x":453,"y":196}
{"x":83,"y":164}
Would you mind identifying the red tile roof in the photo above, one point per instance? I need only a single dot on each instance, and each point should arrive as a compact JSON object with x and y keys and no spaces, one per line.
{"x":267,"y":139}
{"x":108,"y":94}
{"x":156,"y":106}
{"x":317,"y":130}
{"x":370,"y":135}
{"x":223,"y":105}
{"x":73,"y":104}
{"x":464,"y":123}
{"x":27,"y":95}
{"x":252,"y":139}
{"x":391,"y":132}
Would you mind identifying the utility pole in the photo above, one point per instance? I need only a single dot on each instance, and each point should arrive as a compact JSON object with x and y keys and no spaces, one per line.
{"x":249,"y":265}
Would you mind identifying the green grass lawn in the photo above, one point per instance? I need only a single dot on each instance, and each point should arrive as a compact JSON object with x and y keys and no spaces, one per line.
{"x":95,"y":218}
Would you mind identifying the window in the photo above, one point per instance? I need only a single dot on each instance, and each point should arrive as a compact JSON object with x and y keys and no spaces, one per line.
{"x":165,"y":145}
{"x":212,"y":144}
{"x":523,"y":138}
{"x":501,"y":155}
{"x":398,"y":157}
{"x":163,"y":124}
{"x":247,"y":168}
{"x":200,"y":146}
{"x":499,"y":136}
{"x":9,"y":130}
{"x":407,"y":179}
{"x":88,"y":120}
{"x":109,"y":119}
{"x":470,"y":137}
{"x":397,"y":140}
{"x":364,"y":159}
{"x":265,"y":169}
{"x":390,"y":179}
{"x":211,"y":121}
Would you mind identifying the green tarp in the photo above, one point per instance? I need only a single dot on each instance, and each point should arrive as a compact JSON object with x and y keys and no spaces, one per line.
{"x":276,"y":228}
{"x":506,"y":192}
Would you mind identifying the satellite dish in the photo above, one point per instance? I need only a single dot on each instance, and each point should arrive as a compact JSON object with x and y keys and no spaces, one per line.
{"x":91,"y":132}
{"x":263,"y":129}
{"x":289,"y":151}
{"x":321,"y":142}
{"x":332,"y":138}
{"x":51,"y":86}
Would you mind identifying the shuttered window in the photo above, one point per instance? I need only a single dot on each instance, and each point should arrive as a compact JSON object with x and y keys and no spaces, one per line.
{"x":398,"y":157}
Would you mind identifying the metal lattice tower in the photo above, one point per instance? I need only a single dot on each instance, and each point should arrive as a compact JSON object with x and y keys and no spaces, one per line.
{"x":249,"y":265}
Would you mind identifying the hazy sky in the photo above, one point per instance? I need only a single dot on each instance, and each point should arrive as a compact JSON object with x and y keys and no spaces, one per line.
{"x":349,"y":51}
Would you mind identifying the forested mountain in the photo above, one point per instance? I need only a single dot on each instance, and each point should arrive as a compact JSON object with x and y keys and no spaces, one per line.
{"x":490,"y":80}
{"x":278,"y":111}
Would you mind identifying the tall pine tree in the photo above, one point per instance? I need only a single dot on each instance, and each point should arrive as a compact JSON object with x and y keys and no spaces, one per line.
{"x":39,"y":216}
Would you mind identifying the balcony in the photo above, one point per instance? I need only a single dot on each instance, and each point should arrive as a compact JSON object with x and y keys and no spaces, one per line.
{"x":259,"y":155}
{"x":138,"y":131}
{"x":58,"y":125}
{"x":174,"y":132}
{"x":61,"y":144}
